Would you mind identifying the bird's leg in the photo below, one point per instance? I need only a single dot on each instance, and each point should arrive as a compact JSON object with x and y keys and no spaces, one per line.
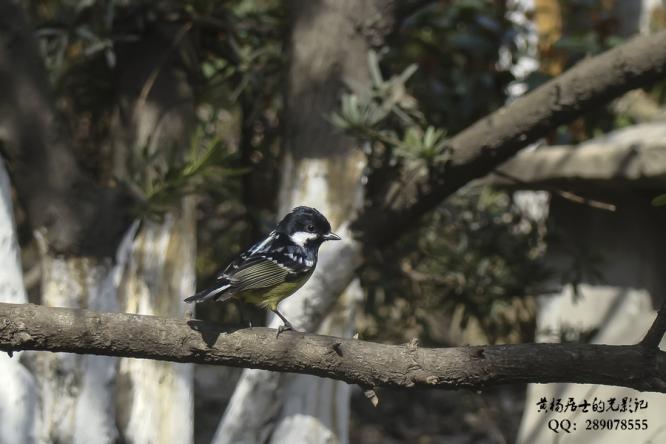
{"x":287,"y":325}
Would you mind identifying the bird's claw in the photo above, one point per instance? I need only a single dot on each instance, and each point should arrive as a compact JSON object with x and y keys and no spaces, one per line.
{"x":281,"y":328}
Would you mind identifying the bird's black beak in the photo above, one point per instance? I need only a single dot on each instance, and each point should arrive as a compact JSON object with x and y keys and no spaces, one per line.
{"x":331,"y":236}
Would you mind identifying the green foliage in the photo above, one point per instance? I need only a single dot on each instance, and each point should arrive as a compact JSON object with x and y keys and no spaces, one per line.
{"x":369,"y":113}
{"x":242,"y":50}
{"x":470,"y":269}
{"x":456,"y":47}
{"x":388,"y":114}
{"x":458,"y":80}
{"x":476,"y":260}
{"x":69,"y":31}
{"x":425,"y":146}
{"x":238,"y":45}
{"x":357,"y":115}
{"x":163,"y":182}
{"x":470,"y":260}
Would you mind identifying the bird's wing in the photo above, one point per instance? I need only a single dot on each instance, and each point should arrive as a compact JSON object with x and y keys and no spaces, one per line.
{"x":267,"y":263}
{"x":248,"y":256}
{"x":258,"y":272}
{"x":255,"y":268}
{"x":265,"y":270}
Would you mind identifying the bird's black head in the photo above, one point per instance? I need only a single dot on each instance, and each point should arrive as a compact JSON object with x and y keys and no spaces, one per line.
{"x":306,"y":226}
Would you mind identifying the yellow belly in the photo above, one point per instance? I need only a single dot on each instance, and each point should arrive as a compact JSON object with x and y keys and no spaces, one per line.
{"x":270,"y":297}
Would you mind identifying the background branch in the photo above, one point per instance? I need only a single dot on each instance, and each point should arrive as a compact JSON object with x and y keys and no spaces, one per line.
{"x":477,"y":150}
{"x":34,"y":327}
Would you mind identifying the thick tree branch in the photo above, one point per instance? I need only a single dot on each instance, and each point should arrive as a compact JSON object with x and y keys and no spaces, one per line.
{"x":34,"y":327}
{"x":483,"y":146}
{"x":632,"y":157}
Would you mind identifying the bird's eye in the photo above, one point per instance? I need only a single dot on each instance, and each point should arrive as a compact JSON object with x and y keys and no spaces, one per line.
{"x":310,"y":228}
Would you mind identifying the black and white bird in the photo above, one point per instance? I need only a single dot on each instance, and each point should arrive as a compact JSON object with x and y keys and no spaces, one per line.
{"x":277,"y":266}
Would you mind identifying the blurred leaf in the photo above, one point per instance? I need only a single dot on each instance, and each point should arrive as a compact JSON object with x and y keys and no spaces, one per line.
{"x":659,"y":201}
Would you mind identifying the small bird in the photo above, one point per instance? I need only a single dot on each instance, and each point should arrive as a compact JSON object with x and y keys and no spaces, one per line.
{"x":275,"y":267}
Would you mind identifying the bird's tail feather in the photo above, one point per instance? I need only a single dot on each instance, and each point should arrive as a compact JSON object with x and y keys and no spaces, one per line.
{"x":210,"y":293}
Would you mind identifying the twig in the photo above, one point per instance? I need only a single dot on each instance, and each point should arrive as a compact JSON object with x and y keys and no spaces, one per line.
{"x":568,"y":195}
{"x":657,"y":330}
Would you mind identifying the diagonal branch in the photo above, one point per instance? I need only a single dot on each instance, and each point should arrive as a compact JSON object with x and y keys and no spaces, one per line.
{"x":486,"y":144}
{"x":34,"y":327}
{"x":657,"y":330}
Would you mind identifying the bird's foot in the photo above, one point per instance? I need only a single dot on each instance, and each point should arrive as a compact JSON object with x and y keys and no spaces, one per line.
{"x":281,"y":328}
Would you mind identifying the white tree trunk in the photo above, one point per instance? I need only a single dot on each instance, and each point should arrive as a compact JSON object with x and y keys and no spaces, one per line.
{"x":316,"y":410}
{"x":304,"y":408}
{"x":18,"y":391}
{"x":77,"y":391}
{"x":322,"y":169}
{"x":156,"y":397}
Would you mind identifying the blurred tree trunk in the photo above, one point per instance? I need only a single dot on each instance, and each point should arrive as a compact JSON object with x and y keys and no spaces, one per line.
{"x":155,"y":115}
{"x":18,"y":393}
{"x":324,"y":169}
{"x":79,"y":227}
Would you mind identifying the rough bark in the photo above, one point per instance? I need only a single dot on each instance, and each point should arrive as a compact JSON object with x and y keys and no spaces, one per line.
{"x":34,"y":327}
{"x":480,"y":148}
{"x":18,"y":394}
{"x":322,"y":168}
{"x":156,"y":112}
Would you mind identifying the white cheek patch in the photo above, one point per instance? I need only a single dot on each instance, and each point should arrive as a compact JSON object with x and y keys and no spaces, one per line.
{"x":302,"y":237}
